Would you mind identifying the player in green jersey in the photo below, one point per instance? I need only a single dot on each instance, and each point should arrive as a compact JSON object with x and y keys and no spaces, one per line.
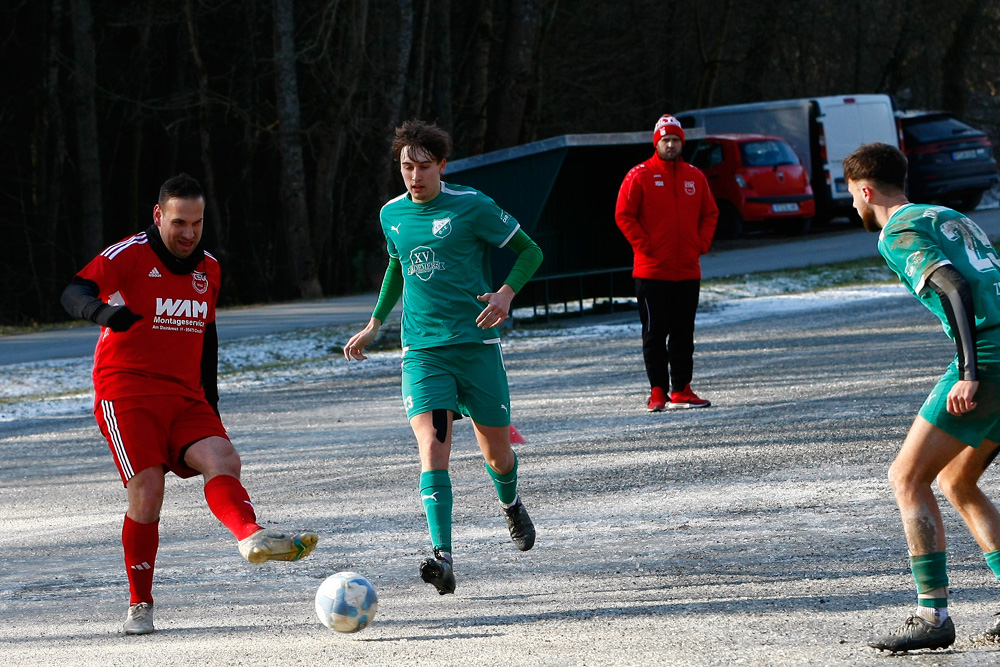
{"x":948,"y":263}
{"x":438,"y":237}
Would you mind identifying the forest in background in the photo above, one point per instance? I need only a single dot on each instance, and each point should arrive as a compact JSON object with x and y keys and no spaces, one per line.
{"x":285,"y":109}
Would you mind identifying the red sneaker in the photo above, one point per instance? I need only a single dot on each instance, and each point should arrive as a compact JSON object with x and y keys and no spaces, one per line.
{"x":657,"y":400}
{"x":686,"y":399}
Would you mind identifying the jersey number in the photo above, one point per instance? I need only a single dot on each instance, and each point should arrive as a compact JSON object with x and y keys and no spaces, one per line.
{"x":982,"y":256}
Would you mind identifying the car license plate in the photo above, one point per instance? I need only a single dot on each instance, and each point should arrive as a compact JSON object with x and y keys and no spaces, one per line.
{"x":958,"y":156}
{"x":790,"y":207}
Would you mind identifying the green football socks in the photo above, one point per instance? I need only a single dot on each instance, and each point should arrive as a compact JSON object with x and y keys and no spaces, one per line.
{"x":435,"y":492}
{"x":506,"y":484}
{"x":993,"y":560}
{"x":930,"y":571}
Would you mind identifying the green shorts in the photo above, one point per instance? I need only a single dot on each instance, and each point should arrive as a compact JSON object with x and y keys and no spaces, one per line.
{"x":972,"y":428}
{"x":467,"y":378}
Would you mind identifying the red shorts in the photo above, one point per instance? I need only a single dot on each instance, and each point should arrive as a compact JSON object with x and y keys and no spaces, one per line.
{"x":147,"y":431}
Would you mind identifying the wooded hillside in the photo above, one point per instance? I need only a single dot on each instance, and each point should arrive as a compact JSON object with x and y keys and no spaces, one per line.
{"x":284,"y":109}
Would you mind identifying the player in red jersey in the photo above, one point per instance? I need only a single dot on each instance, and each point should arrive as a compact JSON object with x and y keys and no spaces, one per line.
{"x":154,"y":295}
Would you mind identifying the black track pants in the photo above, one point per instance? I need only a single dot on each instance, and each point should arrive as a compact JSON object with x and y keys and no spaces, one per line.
{"x":666,"y":310}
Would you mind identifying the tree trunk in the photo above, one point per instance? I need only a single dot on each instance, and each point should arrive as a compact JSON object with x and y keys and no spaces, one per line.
{"x":474,"y":96}
{"x":418,"y":65}
{"x":396,"y":72}
{"x":441,"y":85}
{"x":399,"y":69}
{"x":49,"y":174}
{"x":954,"y":90}
{"x":397,"y":83}
{"x":516,"y":74}
{"x":137,"y":185}
{"x":330,"y":234}
{"x":533,"y":105}
{"x":712,"y":63}
{"x":88,"y":144}
{"x":216,"y":224}
{"x":293,"y":180}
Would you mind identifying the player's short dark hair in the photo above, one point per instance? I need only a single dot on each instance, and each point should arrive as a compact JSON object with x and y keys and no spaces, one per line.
{"x":420,"y":135}
{"x":180,"y":186}
{"x":880,"y":163}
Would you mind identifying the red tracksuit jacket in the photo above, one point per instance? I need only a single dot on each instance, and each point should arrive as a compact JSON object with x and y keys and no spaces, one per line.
{"x":668,"y":215}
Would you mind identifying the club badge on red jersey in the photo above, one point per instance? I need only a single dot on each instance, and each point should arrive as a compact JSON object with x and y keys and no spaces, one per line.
{"x":199,"y":280}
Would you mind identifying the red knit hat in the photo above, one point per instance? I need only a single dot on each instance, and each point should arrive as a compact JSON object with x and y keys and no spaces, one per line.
{"x":667,"y":125}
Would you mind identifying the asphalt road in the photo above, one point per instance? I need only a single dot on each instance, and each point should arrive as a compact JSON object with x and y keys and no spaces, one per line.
{"x":760,"y":531}
{"x":765,"y":254}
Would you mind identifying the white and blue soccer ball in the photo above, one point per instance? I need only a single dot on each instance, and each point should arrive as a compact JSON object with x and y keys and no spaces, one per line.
{"x":346,"y":602}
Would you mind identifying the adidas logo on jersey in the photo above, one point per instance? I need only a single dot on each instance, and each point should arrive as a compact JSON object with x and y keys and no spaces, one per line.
{"x":155,"y":273}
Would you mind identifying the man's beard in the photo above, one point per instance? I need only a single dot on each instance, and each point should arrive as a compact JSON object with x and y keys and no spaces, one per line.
{"x":868,"y":219}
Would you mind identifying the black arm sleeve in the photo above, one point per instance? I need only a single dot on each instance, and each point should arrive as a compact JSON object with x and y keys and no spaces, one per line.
{"x":956,"y":299}
{"x":81,"y":301}
{"x":210,"y":366}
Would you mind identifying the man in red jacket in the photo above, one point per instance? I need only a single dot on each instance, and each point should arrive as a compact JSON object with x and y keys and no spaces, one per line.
{"x":668,"y":215}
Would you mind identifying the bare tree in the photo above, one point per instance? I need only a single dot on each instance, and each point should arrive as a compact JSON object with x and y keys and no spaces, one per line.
{"x":418,"y":60}
{"x":517,"y":73}
{"x":955,"y":84}
{"x":51,"y":167}
{"x":219,"y":225}
{"x":337,"y":63}
{"x":711,"y":57}
{"x":473,"y":65}
{"x":400,"y":65}
{"x":88,"y":144}
{"x":440,"y":85}
{"x":289,"y":119}
{"x":293,"y":177}
{"x":398,"y":68}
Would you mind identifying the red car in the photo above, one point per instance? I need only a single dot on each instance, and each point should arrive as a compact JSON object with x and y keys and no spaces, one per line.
{"x":755,"y":178}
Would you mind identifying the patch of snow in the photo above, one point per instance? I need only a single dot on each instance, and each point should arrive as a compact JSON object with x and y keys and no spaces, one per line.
{"x":991,"y":199}
{"x":62,"y":388}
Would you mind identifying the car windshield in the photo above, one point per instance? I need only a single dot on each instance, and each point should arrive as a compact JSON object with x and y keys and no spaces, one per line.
{"x":936,"y":128}
{"x":767,"y":153}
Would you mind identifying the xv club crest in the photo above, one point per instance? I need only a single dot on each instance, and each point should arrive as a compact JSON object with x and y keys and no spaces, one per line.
{"x":423,"y":263}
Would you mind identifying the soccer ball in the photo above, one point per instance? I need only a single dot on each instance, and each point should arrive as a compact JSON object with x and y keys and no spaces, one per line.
{"x":346,"y":602}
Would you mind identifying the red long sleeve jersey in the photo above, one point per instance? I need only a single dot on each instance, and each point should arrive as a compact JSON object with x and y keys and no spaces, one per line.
{"x":161,"y":353}
{"x":667,"y":213}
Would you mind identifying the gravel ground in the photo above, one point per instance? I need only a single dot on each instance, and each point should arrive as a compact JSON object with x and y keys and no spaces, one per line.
{"x":761,"y":531}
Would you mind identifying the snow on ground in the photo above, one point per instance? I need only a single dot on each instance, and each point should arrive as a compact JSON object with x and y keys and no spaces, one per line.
{"x":63,"y":387}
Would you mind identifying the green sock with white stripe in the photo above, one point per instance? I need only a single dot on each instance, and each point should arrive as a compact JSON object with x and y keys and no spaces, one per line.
{"x":505,"y":484}
{"x":435,"y":492}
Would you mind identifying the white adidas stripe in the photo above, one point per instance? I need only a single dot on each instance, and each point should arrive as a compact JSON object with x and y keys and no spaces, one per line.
{"x":108,"y":408}
{"x":112,"y":251}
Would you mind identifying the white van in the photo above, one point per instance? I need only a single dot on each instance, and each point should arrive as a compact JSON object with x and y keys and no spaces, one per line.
{"x":823,"y":131}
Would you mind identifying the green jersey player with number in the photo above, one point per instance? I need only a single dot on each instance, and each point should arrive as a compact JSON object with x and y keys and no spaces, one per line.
{"x":438,"y":237}
{"x":948,"y":263}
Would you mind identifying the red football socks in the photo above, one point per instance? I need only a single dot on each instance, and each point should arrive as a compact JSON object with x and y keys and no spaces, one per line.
{"x":231,"y":505}
{"x":140,"y":541}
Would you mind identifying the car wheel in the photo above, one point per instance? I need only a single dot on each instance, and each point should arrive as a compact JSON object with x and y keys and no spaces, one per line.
{"x":730,"y":224}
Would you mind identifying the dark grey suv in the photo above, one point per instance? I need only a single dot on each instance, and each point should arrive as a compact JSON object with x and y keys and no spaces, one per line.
{"x":950,"y":162}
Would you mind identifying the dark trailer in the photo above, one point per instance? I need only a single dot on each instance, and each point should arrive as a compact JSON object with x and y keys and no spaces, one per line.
{"x":563,"y":192}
